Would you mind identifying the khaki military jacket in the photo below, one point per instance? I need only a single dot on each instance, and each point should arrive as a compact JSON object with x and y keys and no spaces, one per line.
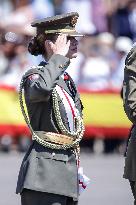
{"x":129,"y":101}
{"x":129,"y":85}
{"x":44,"y":169}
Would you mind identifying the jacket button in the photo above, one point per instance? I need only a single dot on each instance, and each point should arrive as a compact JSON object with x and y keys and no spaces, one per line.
{"x":53,"y":154}
{"x":61,"y":66}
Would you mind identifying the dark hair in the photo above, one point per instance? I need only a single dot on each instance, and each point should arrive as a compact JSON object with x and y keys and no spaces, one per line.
{"x":36,"y":45}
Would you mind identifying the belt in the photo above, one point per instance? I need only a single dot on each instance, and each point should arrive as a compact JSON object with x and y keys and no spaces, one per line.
{"x":54,"y":137}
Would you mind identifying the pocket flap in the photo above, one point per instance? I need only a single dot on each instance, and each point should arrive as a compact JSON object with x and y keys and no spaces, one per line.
{"x":53,"y":156}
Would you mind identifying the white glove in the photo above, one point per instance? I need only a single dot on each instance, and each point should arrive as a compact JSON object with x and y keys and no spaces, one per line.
{"x":83,"y":180}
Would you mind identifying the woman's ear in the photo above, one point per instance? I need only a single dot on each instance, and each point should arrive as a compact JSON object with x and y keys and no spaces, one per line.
{"x":49,"y":45}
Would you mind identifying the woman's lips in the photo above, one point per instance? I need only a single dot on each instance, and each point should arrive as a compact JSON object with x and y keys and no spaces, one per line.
{"x":74,"y":49}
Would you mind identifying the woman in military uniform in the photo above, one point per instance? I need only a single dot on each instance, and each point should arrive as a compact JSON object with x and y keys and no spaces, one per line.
{"x":129,"y":98}
{"x":49,"y":172}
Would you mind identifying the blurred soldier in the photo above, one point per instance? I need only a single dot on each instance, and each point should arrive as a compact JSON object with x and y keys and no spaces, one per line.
{"x":49,"y":172}
{"x":129,"y":97}
{"x":13,"y":57}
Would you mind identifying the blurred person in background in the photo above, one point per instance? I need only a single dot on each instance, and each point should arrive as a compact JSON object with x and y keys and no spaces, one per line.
{"x":58,"y":6}
{"x":99,"y":12}
{"x":42,"y":8}
{"x":21,"y":14}
{"x":84,"y":8}
{"x":6,"y":7}
{"x":5,"y":53}
{"x":106,"y":50}
{"x":132,"y":17}
{"x":129,"y":102}
{"x":119,"y":19}
{"x":9,"y":43}
{"x":14,"y":56}
{"x":95,"y":70}
{"x":106,"y":42}
{"x":25,"y":11}
{"x":122,"y":47}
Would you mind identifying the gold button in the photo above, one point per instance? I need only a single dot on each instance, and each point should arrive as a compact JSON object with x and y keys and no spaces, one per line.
{"x":53,"y":154}
{"x":61,"y":66}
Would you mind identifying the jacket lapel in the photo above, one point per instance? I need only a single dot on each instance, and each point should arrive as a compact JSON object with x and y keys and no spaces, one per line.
{"x":76,"y":92}
{"x":62,"y":84}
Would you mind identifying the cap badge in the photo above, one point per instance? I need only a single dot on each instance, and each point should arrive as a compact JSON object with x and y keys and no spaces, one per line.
{"x":73,"y":21}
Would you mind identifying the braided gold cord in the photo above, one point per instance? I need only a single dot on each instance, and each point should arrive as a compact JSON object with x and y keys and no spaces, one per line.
{"x":76,"y":135}
{"x":64,"y":130}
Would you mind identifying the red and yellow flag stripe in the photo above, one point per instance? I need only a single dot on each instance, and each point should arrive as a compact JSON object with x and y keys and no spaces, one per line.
{"x":104,"y":115}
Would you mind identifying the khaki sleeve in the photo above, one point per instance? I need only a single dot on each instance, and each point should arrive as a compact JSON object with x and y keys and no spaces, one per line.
{"x":39,"y":88}
{"x":129,"y":85}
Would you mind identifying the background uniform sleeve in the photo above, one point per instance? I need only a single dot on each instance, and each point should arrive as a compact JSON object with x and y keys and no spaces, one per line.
{"x":129,"y":85}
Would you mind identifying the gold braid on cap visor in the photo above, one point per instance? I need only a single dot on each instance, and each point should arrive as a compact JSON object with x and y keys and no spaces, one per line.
{"x":65,"y":30}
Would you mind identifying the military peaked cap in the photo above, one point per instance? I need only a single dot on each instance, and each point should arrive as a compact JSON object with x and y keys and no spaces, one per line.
{"x":64,"y":23}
